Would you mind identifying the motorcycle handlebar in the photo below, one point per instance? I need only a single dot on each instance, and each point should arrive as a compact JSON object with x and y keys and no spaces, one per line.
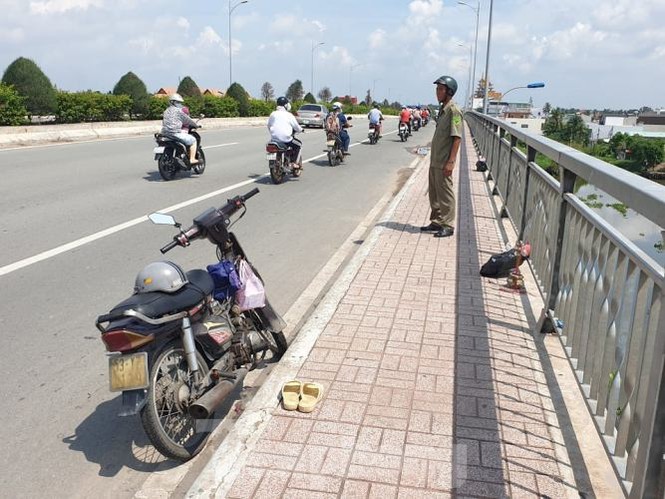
{"x":231,"y":206}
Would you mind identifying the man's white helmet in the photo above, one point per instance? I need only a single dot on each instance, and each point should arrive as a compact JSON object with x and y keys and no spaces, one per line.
{"x":337,"y":105}
{"x":176,"y":98}
{"x":160,"y":276}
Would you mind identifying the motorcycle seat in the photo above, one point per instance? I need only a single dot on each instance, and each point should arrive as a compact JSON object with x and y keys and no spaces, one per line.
{"x":162,"y":137}
{"x":283,"y":146}
{"x":158,"y":304}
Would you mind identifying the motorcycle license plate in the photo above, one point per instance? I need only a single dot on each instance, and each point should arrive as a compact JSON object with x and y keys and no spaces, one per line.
{"x":271,"y":156}
{"x":128,"y":372}
{"x":305,"y":122}
{"x":158,"y":150}
{"x":330,"y":143}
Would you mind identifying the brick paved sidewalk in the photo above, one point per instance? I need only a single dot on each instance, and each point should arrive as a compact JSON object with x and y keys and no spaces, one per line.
{"x":433,"y":383}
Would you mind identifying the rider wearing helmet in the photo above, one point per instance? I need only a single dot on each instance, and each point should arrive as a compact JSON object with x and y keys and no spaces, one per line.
{"x":444,"y":150}
{"x":405,"y":117}
{"x":173,"y":123}
{"x":375,"y":116}
{"x":282,"y":126}
{"x":343,"y":124}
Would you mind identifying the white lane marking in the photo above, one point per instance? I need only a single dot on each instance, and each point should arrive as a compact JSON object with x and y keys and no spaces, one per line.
{"x":131,"y":223}
{"x":117,"y":228}
{"x":221,"y":145}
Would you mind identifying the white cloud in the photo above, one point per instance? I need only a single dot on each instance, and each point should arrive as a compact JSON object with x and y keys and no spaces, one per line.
{"x":60,"y":6}
{"x":423,"y":9}
{"x":566,"y":44}
{"x":12,"y":35}
{"x":376,"y":38}
{"x":293,"y":26}
{"x":338,"y":55}
{"x":183,"y":23}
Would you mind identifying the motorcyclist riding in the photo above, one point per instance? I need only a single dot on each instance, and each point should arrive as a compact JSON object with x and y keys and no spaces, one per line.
{"x":282,"y":124}
{"x":344,"y":124}
{"x":375,"y":117}
{"x":173,"y":122}
{"x":405,"y":117}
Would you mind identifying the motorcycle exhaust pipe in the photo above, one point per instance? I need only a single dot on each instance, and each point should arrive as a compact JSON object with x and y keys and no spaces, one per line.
{"x":209,"y":401}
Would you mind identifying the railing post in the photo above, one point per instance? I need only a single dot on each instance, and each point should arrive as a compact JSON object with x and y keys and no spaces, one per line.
{"x":513,"y":143}
{"x":567,"y":184}
{"x":530,"y":158}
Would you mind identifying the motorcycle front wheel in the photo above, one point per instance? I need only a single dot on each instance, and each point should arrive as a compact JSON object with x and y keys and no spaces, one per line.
{"x":167,"y":167}
{"x":165,"y":417}
{"x":200,"y":167}
{"x":276,"y":172}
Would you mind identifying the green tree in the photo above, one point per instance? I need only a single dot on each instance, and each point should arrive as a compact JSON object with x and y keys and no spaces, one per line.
{"x":309,"y":98}
{"x":553,"y":125}
{"x":131,"y":85}
{"x":32,"y":84}
{"x":295,"y":91}
{"x":12,"y":109}
{"x":237,"y":92}
{"x":648,"y":152}
{"x":325,"y":94}
{"x":189,"y":88}
{"x":267,"y":92}
{"x":547,"y":108}
{"x":575,"y":131}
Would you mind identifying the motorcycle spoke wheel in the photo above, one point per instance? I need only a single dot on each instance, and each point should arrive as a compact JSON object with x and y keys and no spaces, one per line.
{"x":165,"y":417}
{"x":167,"y":167}
{"x":276,"y":172}
{"x":200,"y":167}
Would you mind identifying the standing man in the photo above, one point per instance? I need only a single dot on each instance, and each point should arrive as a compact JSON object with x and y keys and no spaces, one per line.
{"x":445,"y":146}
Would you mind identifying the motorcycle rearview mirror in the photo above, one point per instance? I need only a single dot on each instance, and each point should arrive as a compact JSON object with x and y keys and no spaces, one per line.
{"x":162,"y":219}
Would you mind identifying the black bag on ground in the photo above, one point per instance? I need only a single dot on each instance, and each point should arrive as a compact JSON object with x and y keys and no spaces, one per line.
{"x":501,"y":264}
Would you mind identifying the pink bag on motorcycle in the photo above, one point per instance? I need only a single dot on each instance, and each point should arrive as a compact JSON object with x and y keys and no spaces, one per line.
{"x":251,"y":294}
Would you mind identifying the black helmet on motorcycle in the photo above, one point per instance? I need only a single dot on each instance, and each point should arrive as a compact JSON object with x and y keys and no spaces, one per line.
{"x":282,"y":101}
{"x":449,"y":82}
{"x":376,"y":105}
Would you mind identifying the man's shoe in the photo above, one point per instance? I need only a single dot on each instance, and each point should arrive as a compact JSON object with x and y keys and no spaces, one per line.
{"x":445,"y":232}
{"x":431,"y":228}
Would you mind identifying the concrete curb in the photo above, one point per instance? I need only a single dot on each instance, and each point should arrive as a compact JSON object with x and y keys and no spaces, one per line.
{"x":221,"y":471}
{"x":80,"y":132}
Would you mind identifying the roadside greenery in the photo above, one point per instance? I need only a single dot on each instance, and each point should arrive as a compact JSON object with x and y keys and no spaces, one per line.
{"x":12,"y":107}
{"x":132,"y":86}
{"x":33,"y":85}
{"x":92,"y":106}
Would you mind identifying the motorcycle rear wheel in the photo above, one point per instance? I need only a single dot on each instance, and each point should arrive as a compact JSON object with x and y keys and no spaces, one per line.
{"x":165,"y":417}
{"x":167,"y":167}
{"x":200,"y":167}
{"x":276,"y":172}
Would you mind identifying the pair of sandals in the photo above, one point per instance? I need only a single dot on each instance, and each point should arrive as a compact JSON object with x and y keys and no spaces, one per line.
{"x":301,"y":396}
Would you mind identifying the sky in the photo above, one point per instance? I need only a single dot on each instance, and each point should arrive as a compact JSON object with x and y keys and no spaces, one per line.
{"x":590,"y":54}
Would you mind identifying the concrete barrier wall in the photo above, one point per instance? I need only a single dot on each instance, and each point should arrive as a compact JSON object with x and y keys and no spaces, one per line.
{"x":16,"y":136}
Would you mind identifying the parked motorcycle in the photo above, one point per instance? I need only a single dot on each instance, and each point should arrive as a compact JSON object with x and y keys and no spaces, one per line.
{"x":172,"y":155}
{"x":403,"y":132}
{"x":278,"y":155}
{"x":176,"y":352}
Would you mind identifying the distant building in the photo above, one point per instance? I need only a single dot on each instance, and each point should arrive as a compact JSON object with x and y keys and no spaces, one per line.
{"x":610,"y":119}
{"x":531,"y":125}
{"x":214,"y":92}
{"x":165,"y":91}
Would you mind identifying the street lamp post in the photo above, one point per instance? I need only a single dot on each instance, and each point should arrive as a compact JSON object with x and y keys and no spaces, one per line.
{"x":537,"y":84}
{"x":487,"y":60}
{"x":314,"y":47}
{"x":475,"y":47}
{"x":374,"y":88}
{"x":231,"y":9}
{"x":469,"y":88}
{"x":351,"y":71}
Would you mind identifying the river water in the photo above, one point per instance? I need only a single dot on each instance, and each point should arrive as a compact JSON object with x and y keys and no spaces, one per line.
{"x":642,"y":232}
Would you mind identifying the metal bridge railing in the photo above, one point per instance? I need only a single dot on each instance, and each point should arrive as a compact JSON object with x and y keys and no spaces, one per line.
{"x":603,"y":294}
